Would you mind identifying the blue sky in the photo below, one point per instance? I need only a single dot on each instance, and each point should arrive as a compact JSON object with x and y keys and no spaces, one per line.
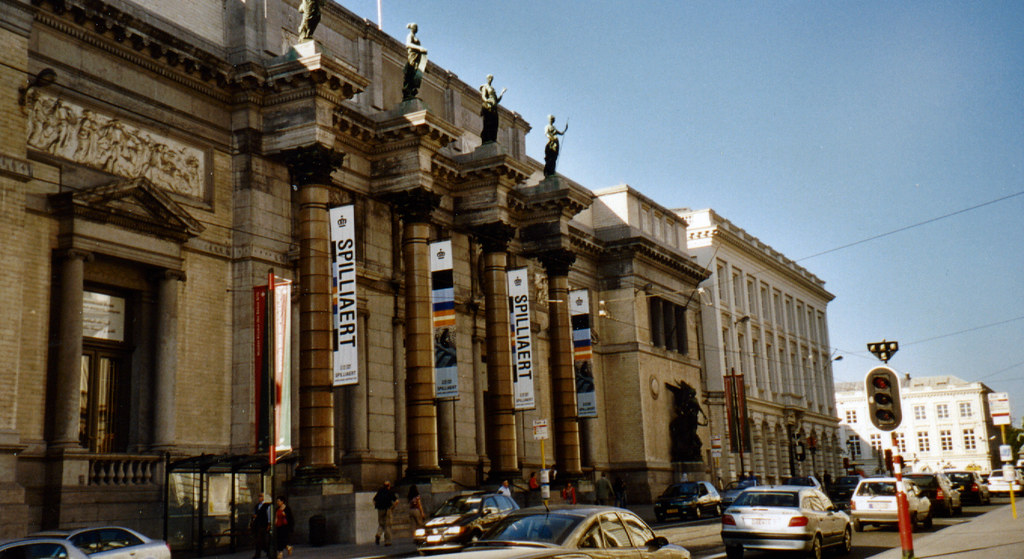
{"x":812,"y":125}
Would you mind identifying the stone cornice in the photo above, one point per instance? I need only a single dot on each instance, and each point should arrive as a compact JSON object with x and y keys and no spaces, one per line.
{"x":642,"y":247}
{"x":413,"y":120}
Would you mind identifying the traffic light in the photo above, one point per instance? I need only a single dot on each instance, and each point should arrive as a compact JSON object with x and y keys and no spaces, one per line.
{"x":888,"y":460}
{"x":883,"y":391}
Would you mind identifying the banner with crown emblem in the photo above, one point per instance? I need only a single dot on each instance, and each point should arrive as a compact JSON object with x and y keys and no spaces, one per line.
{"x":582,"y":353}
{"x":522,"y":340}
{"x":343,"y":295}
{"x":442,"y":284}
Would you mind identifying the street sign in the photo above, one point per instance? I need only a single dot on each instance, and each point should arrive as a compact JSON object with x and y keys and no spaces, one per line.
{"x":716,"y":446}
{"x":1006,"y":453}
{"x":540,"y":429}
{"x":999,"y":407}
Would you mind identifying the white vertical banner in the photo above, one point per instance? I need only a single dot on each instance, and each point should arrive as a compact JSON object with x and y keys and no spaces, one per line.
{"x":442,"y":294}
{"x":283,"y":365}
{"x":522,"y":340}
{"x":343,"y":295}
{"x":582,"y":353}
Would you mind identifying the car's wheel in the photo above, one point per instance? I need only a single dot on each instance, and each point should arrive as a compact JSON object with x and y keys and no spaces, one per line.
{"x":959,"y":510}
{"x":928,"y":521}
{"x":734,"y":552}
{"x":815,"y":548}
{"x":847,"y":544}
{"x":913,"y":521}
{"x":857,"y":526}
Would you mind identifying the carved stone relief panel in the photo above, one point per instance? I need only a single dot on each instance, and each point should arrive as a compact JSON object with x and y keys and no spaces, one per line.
{"x":69,"y":131}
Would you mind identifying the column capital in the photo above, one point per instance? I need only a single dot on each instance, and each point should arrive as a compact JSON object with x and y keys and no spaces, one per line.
{"x":494,"y":236}
{"x":79,"y":254}
{"x":169,"y":274}
{"x":416,"y":205}
{"x":312,"y":164}
{"x":557,"y":262}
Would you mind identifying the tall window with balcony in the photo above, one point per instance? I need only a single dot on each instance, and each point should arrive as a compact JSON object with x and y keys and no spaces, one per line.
{"x":853,"y":443}
{"x":668,"y":325}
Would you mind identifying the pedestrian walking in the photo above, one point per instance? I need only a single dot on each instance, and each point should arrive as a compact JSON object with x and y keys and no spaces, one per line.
{"x":603,"y":490}
{"x":533,"y":496}
{"x":415,"y":506}
{"x":505,"y":489}
{"x":384,"y":501}
{"x":259,"y":524}
{"x":284,"y":522}
{"x":569,"y":493}
{"x":620,"y":492}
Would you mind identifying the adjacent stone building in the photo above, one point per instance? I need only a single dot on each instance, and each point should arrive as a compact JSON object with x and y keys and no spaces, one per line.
{"x":765,"y":328}
{"x":160,"y":159}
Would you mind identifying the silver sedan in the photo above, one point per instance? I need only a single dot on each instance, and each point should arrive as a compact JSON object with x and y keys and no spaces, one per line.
{"x":40,"y":548}
{"x":784,"y":518}
{"x":112,"y":542}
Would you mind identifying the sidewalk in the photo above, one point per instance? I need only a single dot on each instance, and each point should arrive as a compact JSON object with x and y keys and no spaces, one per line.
{"x":995,"y":534}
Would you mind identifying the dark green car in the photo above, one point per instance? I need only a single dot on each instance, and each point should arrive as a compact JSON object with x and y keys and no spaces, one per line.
{"x":689,"y":499}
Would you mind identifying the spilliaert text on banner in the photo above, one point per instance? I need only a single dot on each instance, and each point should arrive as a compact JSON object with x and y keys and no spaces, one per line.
{"x":522,"y":340}
{"x":446,"y":366}
{"x":582,"y":353}
{"x":343,"y":295}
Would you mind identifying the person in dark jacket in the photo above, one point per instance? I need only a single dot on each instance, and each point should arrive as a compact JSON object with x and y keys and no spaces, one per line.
{"x":260,"y":526}
{"x":384,"y":501}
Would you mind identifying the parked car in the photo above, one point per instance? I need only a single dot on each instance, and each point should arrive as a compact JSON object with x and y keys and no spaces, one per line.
{"x":40,"y":548}
{"x":972,"y":488}
{"x":784,"y":518}
{"x":842,"y":489}
{"x":806,"y":481}
{"x":734,"y":488}
{"x":112,"y":542}
{"x":940,"y":491}
{"x":1000,"y":486}
{"x":597,"y":531}
{"x":874,"y":503}
{"x":460,"y":520}
{"x":688,"y":499}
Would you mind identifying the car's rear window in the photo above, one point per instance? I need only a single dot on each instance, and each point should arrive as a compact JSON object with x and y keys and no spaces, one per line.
{"x":848,"y":480}
{"x":767,"y":499}
{"x":924,"y":482}
{"x":877,"y":489}
{"x":961,"y":478}
{"x":680,"y":489}
{"x":542,"y":527}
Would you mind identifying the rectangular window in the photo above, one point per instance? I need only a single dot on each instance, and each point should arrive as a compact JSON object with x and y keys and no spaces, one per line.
{"x":876,"y":441}
{"x":737,"y":289}
{"x":942,"y":411}
{"x":969,"y":440}
{"x":751,"y":298}
{"x":853,"y":443}
{"x":901,"y":442}
{"x":923,"y":445}
{"x":946,"y":440}
{"x":766,"y":314}
{"x":777,"y":301}
{"x":851,"y":416}
{"x":919,"y":412}
{"x":720,"y":279}
{"x":965,"y":409}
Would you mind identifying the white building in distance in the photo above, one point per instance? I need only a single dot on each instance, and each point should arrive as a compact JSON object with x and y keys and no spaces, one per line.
{"x":946,"y":425}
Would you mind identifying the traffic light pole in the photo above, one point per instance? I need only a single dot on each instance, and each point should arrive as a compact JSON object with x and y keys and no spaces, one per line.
{"x":902,"y":506}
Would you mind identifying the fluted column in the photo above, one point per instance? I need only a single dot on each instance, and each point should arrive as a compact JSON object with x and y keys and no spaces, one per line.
{"x":166,"y":359}
{"x":563,"y":381}
{"x":69,"y":353}
{"x":421,"y":412}
{"x":310,"y":168}
{"x":499,"y":400}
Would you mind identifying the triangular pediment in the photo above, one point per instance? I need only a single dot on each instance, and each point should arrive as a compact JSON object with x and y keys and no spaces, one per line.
{"x":134,"y":204}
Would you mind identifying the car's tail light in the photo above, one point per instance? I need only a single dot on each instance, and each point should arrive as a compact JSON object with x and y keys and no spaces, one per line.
{"x":798,"y":521}
{"x":728,"y":520}
{"x":974,"y":487}
{"x":939,"y":495}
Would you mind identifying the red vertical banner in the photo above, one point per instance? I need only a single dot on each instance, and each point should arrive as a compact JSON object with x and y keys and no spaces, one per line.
{"x":262,"y":387}
{"x":272,"y":365}
{"x":736,"y":412}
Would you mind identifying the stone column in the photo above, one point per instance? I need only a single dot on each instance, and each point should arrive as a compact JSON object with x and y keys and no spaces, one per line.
{"x":357,"y":420}
{"x":69,"y":353}
{"x":563,"y":380}
{"x":166,"y":359}
{"x":421,"y":412}
{"x":499,"y":404}
{"x":310,"y":168}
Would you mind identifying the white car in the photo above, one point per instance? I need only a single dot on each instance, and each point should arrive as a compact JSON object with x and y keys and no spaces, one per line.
{"x":111,"y":542}
{"x":874,"y":503}
{"x":999,"y":486}
{"x":40,"y":548}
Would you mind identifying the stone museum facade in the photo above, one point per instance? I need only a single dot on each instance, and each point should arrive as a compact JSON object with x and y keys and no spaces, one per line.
{"x":158,"y":162}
